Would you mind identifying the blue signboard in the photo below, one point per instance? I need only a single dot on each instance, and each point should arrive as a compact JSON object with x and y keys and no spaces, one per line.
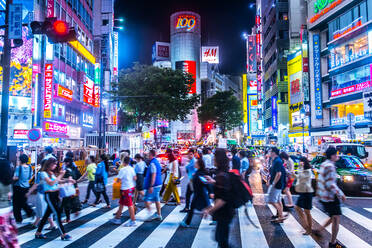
{"x":317,"y":78}
{"x":87,"y":120}
{"x":274,"y":111}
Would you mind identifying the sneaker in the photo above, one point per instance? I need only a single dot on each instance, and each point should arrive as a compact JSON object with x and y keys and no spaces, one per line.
{"x":336,"y":245}
{"x":213,"y":223}
{"x":185,"y":210}
{"x":183,"y":224}
{"x":116,"y":221}
{"x":157,"y":217}
{"x":131,"y":223}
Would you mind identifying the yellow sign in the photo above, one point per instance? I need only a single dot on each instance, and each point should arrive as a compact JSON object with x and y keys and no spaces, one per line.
{"x":83,"y":51}
{"x":245,"y":100}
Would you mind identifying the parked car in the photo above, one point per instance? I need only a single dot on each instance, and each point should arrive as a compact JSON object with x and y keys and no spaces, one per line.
{"x":352,"y":175}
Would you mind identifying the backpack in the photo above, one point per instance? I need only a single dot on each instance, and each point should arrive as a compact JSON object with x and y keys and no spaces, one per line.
{"x":240,"y":190}
{"x":6,"y":171}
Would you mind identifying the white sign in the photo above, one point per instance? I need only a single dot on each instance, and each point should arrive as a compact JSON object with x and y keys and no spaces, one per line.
{"x":15,"y":21}
{"x":222,"y":143}
{"x":210,"y":54}
{"x":367,"y":103}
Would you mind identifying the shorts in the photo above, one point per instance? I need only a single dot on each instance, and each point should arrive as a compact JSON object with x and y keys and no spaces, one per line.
{"x":274,"y":194}
{"x":154,"y":196}
{"x":305,"y":201}
{"x":126,"y":198}
{"x":332,"y":208}
{"x":139,"y":182}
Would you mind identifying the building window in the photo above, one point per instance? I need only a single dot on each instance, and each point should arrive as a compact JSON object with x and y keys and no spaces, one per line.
{"x":105,"y":22}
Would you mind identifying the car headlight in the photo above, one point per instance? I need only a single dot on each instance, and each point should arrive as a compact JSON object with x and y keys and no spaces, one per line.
{"x":348,"y":179}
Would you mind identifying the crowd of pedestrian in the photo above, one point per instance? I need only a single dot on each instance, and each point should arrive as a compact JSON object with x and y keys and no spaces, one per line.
{"x":145,"y":178}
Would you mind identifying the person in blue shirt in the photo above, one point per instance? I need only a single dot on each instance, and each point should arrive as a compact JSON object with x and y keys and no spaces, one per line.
{"x":101,"y":176}
{"x":190,"y":169}
{"x":152,"y":186}
{"x":244,"y":167}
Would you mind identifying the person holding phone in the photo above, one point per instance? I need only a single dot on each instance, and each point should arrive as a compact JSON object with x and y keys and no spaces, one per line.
{"x":201,"y":192}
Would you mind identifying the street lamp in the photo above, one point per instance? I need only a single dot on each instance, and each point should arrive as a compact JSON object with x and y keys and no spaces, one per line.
{"x":302,"y":116}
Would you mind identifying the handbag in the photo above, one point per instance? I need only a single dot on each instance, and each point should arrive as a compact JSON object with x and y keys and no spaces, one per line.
{"x":67,"y":190}
{"x":116,"y":189}
{"x":99,"y":186}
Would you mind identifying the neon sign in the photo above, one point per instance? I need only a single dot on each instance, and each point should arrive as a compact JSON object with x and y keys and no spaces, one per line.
{"x":88,"y":95}
{"x":55,"y":127}
{"x":351,"y":89}
{"x":320,"y":8}
{"x":356,"y":23}
{"x":187,"y":22}
{"x":64,"y":92}
{"x":48,"y":91}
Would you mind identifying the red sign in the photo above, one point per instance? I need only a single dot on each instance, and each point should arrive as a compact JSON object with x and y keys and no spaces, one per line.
{"x":252,"y":83}
{"x":348,"y":29}
{"x":88,"y":94}
{"x":64,"y":92}
{"x":295,"y":86}
{"x":351,"y":89}
{"x":54,"y":127}
{"x":254,"y":102}
{"x":305,"y":64}
{"x":20,"y":133}
{"x":190,"y":67}
{"x":96,"y":96}
{"x":48,"y":91}
{"x":50,"y":8}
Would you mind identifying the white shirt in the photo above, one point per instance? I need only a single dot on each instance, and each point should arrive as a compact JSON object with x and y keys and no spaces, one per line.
{"x":207,"y":161}
{"x":126,"y":175}
{"x":172,"y":167}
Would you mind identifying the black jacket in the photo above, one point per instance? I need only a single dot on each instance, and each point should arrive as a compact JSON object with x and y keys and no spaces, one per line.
{"x":201,"y":191}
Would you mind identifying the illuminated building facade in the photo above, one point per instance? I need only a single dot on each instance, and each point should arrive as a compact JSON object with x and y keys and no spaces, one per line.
{"x":340,"y":66}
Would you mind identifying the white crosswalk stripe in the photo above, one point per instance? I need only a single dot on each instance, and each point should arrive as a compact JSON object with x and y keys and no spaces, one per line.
{"x":369,"y":209}
{"x":25,"y":237}
{"x":344,"y":235}
{"x":251,"y":234}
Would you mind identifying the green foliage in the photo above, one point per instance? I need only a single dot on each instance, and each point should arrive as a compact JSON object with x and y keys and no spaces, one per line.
{"x":147,"y":92}
{"x":223,"y":109}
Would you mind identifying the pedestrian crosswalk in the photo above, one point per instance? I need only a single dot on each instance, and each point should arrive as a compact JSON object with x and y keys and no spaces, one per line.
{"x":92,"y":228}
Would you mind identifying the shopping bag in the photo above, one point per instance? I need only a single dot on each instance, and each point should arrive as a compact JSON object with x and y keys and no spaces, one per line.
{"x":116,"y":189}
{"x":99,"y":187}
{"x":67,"y":190}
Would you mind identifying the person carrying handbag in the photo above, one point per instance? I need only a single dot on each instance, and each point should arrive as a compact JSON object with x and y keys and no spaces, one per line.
{"x":172,"y":179}
{"x":21,"y":185}
{"x":100,"y":183}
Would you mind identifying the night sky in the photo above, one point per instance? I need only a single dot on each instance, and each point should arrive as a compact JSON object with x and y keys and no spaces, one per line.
{"x":223,"y":23}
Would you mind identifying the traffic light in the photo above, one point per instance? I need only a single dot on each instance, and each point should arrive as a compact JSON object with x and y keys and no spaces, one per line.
{"x":208,"y":127}
{"x":58,"y":31}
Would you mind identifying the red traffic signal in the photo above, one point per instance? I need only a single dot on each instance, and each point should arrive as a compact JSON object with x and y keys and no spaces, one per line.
{"x":208,"y":127}
{"x":60,"y":27}
{"x":58,"y":31}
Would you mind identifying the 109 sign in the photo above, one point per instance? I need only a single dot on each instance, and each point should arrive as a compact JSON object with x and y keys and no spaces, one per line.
{"x":187,"y":22}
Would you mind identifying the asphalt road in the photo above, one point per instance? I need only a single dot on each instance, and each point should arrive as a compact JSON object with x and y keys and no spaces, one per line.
{"x":251,"y":228}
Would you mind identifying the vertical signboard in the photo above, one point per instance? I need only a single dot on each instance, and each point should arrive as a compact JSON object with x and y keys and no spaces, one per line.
{"x":50,"y":8}
{"x":252,"y":61}
{"x":245,"y":100}
{"x":88,"y":94}
{"x":48,"y":91}
{"x":15,"y":21}
{"x":317,"y":78}
{"x":189,"y":67}
{"x":274,"y":110}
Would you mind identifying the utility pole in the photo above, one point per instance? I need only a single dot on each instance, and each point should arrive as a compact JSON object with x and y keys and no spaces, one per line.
{"x":5,"y":61}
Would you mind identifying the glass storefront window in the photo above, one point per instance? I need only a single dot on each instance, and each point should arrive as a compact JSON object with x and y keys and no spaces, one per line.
{"x":352,"y":50}
{"x":339,"y":112}
{"x":351,"y":81}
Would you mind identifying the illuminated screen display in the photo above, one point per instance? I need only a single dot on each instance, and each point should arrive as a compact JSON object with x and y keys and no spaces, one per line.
{"x":190,"y":67}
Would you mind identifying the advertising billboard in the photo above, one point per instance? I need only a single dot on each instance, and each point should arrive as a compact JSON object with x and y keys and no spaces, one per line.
{"x":254,"y":127}
{"x":48,"y":91}
{"x":274,"y":111}
{"x":161,"y":51}
{"x":87,"y":120}
{"x":88,"y":91}
{"x":245,"y":100}
{"x":54,"y":127}
{"x":294,"y":68}
{"x":317,"y":77}
{"x":210,"y":54}
{"x":64,"y":92}
{"x":189,"y":67}
{"x":251,"y":54}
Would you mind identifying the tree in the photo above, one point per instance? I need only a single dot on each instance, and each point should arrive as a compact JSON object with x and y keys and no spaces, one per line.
{"x":147,"y":92}
{"x":223,"y":109}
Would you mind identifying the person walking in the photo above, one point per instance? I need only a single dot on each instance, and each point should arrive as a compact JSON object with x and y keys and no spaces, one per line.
{"x":330,"y":195}
{"x":91,"y":170}
{"x":101,"y":176}
{"x":190,"y":169}
{"x":305,"y":190}
{"x":139,"y":168}
{"x":172,"y":177}
{"x":201,"y":187}
{"x":276,"y":184}
{"x":152,"y":186}
{"x":207,"y":158}
{"x":71,"y":204}
{"x":223,"y":210}
{"x":50,"y":183}
{"x":127,"y":177}
{"x":235,"y":159}
{"x":22,"y":175}
{"x":289,"y":169}
{"x":244,"y":167}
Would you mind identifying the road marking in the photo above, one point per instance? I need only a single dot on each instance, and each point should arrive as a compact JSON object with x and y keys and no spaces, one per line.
{"x":344,"y":235}
{"x":204,"y":235}
{"x":251,"y":234}
{"x":368,"y":209}
{"x":25,"y":237}
{"x":164,"y":232}
{"x":113,"y":238}
{"x":294,"y":230}
{"x":82,"y":230}
{"x":357,"y":218}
